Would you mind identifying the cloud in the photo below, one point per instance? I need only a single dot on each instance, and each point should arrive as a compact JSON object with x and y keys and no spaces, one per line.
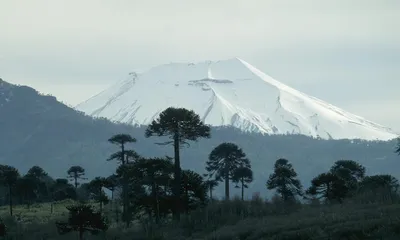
{"x":340,"y":51}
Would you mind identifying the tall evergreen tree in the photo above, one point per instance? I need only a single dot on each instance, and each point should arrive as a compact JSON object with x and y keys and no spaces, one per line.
{"x":375,"y":182}
{"x":211,"y":184}
{"x":75,"y":173}
{"x":26,"y":190}
{"x":152,"y":174}
{"x":243,"y":176}
{"x":329,"y":187}
{"x":223,"y":162}
{"x":350,"y":172}
{"x":124,"y":157}
{"x":82,"y":218}
{"x":284,"y":180}
{"x":193,"y":190}
{"x":62,"y":189}
{"x":180,"y":125}
{"x":121,"y":140}
{"x":40,"y":182}
{"x":96,"y":189}
{"x":379,"y":186}
{"x":8,"y":178}
{"x":111,"y":184}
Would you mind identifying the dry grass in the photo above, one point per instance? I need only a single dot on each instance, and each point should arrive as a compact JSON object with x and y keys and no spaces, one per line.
{"x":251,"y":220}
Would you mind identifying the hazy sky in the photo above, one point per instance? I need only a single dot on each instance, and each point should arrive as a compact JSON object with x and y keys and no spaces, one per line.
{"x":346,"y":52}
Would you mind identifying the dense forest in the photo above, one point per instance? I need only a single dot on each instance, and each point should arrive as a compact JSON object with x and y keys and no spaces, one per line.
{"x":171,"y":201}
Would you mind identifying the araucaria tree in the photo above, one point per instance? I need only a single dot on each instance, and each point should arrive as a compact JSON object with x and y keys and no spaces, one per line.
{"x":211,"y":184}
{"x":243,"y":176}
{"x":284,"y":180}
{"x":95,"y":188}
{"x":123,"y":157}
{"x":121,"y":140}
{"x":224,"y":160}
{"x":194,"y":190}
{"x":8,"y":178}
{"x":351,"y":172}
{"x":82,"y":218}
{"x":180,"y":125}
{"x":75,"y":173}
{"x":329,"y":187}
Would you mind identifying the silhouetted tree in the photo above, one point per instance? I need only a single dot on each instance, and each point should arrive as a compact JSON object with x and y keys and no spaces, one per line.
{"x":123,"y":158}
{"x":40,"y":183}
{"x":75,"y":173}
{"x":193,"y":190}
{"x":95,"y":187}
{"x":152,"y":174}
{"x":224,"y":160}
{"x":3,"y":228}
{"x":82,"y":218}
{"x":8,"y":178}
{"x":26,"y":190}
{"x":180,"y":125}
{"x":349,"y":171}
{"x":121,"y":140}
{"x":379,"y":185}
{"x":244,"y":176}
{"x":62,"y":189}
{"x":211,"y":184}
{"x":380,"y":181}
{"x":329,"y":187}
{"x":284,"y":180}
{"x":111,"y":184}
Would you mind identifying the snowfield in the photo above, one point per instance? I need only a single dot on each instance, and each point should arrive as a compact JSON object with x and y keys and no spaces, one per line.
{"x":230,"y":92}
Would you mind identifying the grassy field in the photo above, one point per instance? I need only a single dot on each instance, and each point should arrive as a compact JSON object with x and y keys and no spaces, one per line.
{"x":251,"y":220}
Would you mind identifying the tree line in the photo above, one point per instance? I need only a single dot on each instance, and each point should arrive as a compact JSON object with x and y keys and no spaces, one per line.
{"x":157,"y":187}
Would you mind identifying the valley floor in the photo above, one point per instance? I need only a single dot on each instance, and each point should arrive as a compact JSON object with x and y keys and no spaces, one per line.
{"x":252,"y":220}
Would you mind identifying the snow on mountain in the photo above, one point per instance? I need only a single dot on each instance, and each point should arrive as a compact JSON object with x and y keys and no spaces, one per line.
{"x":230,"y":92}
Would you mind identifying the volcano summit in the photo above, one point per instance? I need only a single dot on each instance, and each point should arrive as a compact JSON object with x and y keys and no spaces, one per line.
{"x":230,"y":92}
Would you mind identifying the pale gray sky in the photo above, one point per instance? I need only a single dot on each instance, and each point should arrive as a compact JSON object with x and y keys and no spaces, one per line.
{"x":346,"y":52}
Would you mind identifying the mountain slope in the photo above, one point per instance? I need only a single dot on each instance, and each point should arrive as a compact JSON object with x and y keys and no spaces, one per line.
{"x":230,"y":92}
{"x":38,"y":130}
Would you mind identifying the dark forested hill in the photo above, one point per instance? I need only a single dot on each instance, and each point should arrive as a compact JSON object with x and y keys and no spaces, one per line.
{"x":39,"y":130}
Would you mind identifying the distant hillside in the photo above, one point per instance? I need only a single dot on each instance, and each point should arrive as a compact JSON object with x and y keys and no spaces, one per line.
{"x":39,"y":130}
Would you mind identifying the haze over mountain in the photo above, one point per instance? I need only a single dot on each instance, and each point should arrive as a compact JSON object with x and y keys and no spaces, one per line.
{"x":38,"y":130}
{"x":229,"y":93}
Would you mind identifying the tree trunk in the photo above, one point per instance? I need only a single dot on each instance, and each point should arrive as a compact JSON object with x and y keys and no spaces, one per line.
{"x":117,"y":213}
{"x":124,"y":190}
{"x":186,"y":197}
{"x":211,"y":198}
{"x":226,"y":181}
{"x":155,"y":198}
{"x":242,"y":190}
{"x":76,"y":182}
{"x":10,"y":200}
{"x":177,"y":178}
{"x":81,"y":233}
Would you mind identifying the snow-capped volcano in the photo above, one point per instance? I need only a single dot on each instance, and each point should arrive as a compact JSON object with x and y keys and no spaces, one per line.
{"x":230,"y":92}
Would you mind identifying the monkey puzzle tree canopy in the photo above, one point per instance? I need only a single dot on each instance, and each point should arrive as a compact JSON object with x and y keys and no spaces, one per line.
{"x":180,"y":125}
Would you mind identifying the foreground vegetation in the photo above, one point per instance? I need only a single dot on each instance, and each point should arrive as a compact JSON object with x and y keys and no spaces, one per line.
{"x":236,"y":219}
{"x":153,"y":198}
